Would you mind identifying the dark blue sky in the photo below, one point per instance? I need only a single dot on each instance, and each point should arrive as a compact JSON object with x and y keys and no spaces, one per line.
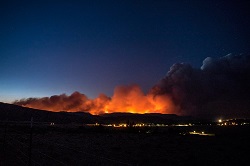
{"x":54,"y":47}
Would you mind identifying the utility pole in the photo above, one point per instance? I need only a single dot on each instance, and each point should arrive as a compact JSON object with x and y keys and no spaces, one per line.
{"x":4,"y":139}
{"x":30,"y":145}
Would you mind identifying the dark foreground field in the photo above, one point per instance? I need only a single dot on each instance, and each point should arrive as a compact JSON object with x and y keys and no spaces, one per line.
{"x":67,"y":145}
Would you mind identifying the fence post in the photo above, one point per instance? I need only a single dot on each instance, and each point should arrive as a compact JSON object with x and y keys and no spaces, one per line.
{"x":30,"y":145}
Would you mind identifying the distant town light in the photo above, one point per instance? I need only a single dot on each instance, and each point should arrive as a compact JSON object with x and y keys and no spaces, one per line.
{"x":220,"y":120}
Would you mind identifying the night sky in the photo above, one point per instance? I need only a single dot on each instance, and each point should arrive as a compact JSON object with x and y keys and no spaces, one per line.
{"x":54,"y":47}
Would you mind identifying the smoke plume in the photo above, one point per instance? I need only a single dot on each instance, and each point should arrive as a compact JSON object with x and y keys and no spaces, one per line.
{"x":125,"y":99}
{"x":221,"y":87}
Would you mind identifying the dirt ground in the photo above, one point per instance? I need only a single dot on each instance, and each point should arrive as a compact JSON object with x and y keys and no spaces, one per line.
{"x":142,"y":146}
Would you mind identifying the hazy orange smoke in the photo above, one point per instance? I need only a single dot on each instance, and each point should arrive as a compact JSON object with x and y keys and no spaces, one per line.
{"x":125,"y":99}
{"x":132,"y":99}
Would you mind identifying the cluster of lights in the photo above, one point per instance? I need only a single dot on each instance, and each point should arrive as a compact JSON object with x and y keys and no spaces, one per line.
{"x":140,"y":125}
{"x":183,"y":124}
{"x":120,"y":125}
{"x":52,"y":124}
{"x":230,"y":122}
{"x":202,"y":133}
{"x":220,"y":122}
{"x":127,"y":125}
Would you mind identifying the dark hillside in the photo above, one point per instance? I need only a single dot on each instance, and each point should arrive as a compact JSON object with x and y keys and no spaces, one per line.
{"x":12,"y":112}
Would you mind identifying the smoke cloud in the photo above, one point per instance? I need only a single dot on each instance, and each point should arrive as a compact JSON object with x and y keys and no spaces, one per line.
{"x":221,"y":87}
{"x":125,"y":99}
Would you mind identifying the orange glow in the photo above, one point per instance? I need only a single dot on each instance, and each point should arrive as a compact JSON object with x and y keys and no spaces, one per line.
{"x":129,"y":99}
